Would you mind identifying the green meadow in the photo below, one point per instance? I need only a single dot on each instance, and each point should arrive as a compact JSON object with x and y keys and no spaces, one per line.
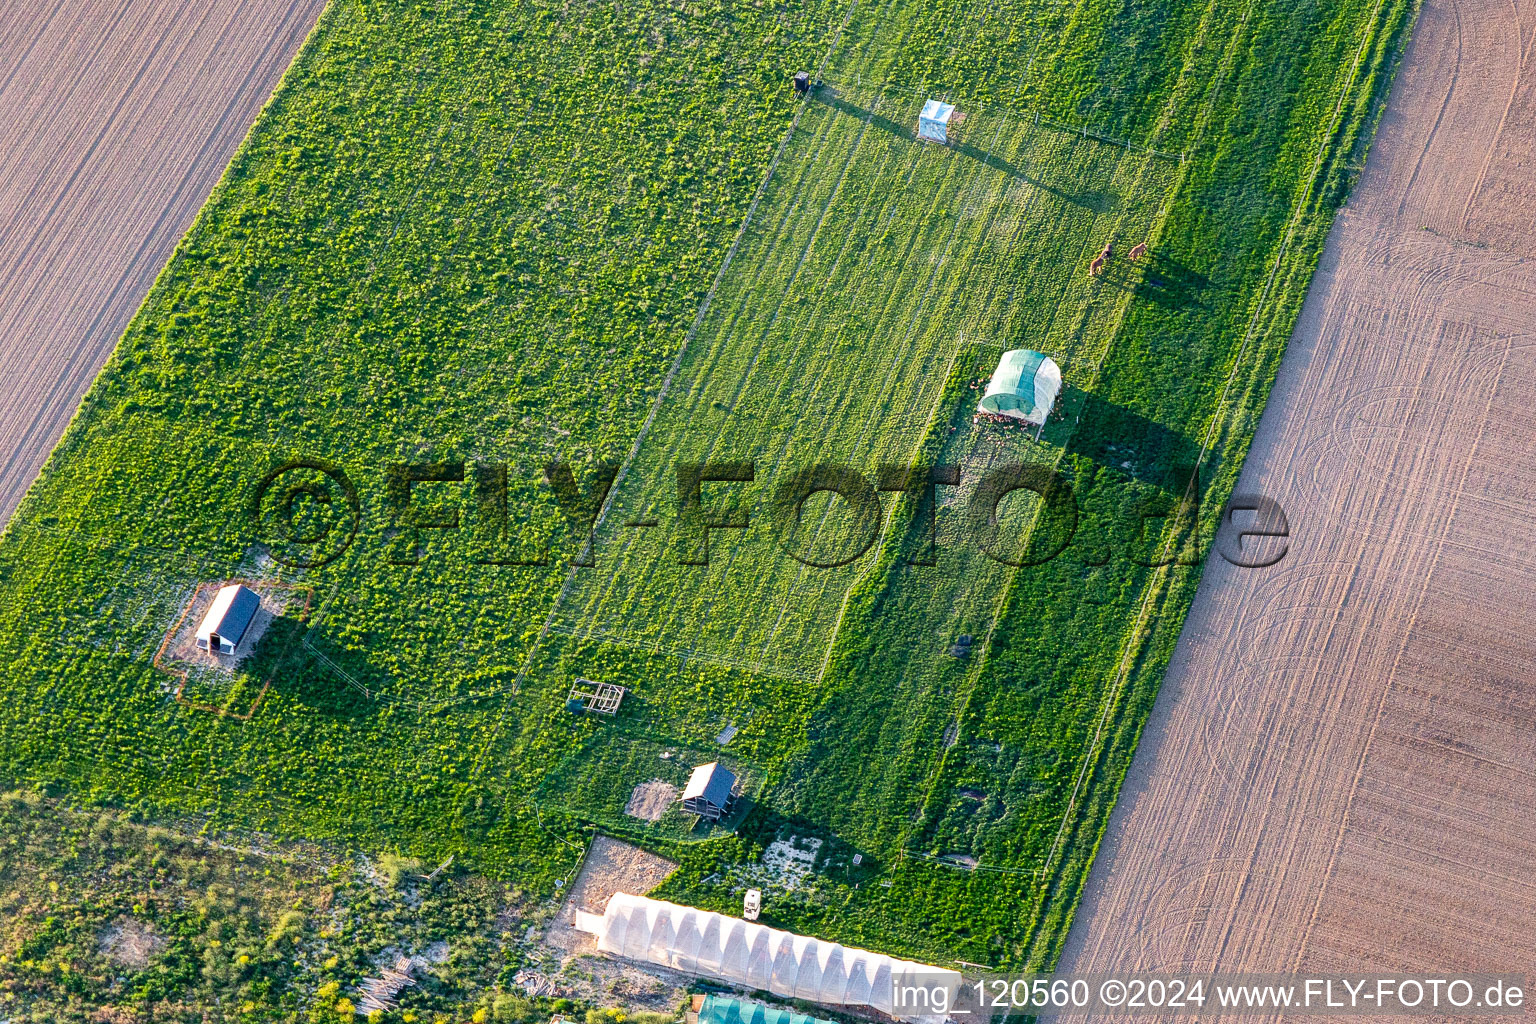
{"x":487,"y":278}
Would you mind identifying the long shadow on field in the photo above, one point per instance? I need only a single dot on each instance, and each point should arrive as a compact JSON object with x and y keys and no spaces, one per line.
{"x":1090,"y":199}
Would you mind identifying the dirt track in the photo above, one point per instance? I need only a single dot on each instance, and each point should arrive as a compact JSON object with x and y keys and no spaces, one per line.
{"x":1340,"y":772}
{"x":116,"y":119}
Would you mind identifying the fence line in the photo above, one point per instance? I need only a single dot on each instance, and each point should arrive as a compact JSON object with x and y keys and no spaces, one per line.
{"x":1087,"y":133}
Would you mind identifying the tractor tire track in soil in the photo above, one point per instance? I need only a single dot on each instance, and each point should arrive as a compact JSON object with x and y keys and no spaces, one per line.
{"x":1337,"y":773}
{"x":116,"y":120}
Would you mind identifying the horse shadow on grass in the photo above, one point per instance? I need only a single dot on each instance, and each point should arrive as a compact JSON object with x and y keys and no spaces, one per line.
{"x":1096,"y":200}
{"x":1158,"y":278}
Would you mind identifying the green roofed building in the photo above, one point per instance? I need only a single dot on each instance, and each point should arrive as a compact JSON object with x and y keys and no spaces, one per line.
{"x":1024,"y":386}
{"x":729,"y":1010}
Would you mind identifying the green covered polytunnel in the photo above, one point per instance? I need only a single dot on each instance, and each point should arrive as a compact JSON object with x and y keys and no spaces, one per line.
{"x":1023,"y":387}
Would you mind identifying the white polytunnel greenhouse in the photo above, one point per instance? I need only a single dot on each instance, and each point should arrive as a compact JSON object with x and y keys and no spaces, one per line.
{"x":1024,"y":386}
{"x":756,"y":957}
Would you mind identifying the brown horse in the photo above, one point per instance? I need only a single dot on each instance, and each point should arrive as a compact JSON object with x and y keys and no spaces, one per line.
{"x":1097,"y":266}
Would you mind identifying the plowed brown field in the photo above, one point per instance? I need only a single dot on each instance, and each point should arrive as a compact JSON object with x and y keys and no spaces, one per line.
{"x":1340,"y":772}
{"x":116,"y":119}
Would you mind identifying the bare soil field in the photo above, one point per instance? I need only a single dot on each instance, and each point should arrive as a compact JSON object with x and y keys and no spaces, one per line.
{"x":568,"y":964}
{"x":1340,"y":769}
{"x":116,"y":120}
{"x":649,"y":800}
{"x":611,"y":866}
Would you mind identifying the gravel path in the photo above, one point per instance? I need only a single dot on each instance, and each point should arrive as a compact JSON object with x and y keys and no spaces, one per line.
{"x":116,"y":119}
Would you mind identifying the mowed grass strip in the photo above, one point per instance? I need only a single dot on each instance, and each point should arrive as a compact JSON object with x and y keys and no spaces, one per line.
{"x":995,"y":780}
{"x":880,"y":258}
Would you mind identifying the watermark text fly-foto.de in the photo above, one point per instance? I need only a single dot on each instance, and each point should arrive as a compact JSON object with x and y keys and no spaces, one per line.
{"x":990,"y":996}
{"x":309,"y":512}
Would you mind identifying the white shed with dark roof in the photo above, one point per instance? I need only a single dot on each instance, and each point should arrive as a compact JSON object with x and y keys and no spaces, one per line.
{"x":710,"y":791}
{"x":228,"y":620}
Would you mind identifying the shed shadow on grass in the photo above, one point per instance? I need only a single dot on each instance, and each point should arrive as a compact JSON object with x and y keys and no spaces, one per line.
{"x":740,"y":810}
{"x":1156,"y":471}
{"x":1096,"y":200}
{"x":1130,"y":444}
{"x":304,"y":668}
{"x":1127,"y":444}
